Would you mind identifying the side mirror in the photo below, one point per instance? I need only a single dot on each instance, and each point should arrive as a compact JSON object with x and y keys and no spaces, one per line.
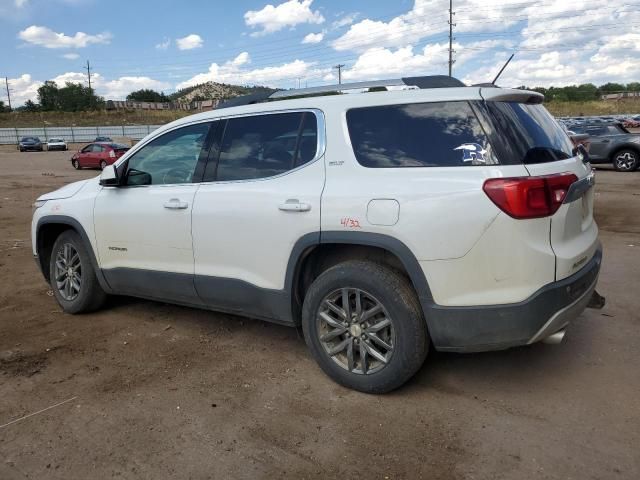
{"x":109,"y":177}
{"x":582,"y":153}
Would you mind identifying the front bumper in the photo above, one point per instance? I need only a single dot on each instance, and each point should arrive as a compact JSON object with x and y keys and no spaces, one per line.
{"x":496,"y":327}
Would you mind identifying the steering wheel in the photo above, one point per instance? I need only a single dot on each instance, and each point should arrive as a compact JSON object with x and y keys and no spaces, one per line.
{"x":176,"y":175}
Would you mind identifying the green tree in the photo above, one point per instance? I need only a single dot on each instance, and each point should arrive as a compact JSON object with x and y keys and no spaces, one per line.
{"x":2,"y":107}
{"x":633,"y":87}
{"x":30,"y":106}
{"x":147,"y":95}
{"x":48,"y":96}
{"x":612,"y":88}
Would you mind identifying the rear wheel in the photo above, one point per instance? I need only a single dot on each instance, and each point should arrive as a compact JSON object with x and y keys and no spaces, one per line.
{"x":103,"y":164}
{"x":76,"y":164}
{"x":626,"y":160}
{"x":364,"y":326}
{"x":72,"y":277}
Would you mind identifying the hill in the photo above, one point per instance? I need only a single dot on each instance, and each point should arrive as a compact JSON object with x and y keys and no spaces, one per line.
{"x":214,"y":91}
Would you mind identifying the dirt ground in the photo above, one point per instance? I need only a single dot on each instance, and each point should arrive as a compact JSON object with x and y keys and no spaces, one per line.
{"x":160,"y":391}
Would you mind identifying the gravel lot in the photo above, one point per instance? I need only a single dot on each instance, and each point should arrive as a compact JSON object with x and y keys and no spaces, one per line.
{"x":162,"y":391}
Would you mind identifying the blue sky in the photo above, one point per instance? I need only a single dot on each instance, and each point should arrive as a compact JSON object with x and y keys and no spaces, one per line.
{"x":165,"y":45}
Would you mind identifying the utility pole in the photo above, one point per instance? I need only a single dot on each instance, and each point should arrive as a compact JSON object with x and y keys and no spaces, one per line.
{"x":89,"y":74}
{"x":451,"y":25}
{"x":89,"y":77}
{"x":6,"y":82}
{"x":339,"y":67}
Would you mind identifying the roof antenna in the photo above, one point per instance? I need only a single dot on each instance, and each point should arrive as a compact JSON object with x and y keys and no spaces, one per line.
{"x":502,"y":69}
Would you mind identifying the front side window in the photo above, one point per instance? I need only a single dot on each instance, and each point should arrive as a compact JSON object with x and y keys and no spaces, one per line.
{"x":168,"y":159}
{"x":261,"y":146}
{"x":439,"y":134}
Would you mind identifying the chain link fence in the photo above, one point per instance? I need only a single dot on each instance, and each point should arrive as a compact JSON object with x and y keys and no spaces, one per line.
{"x":11,"y":136}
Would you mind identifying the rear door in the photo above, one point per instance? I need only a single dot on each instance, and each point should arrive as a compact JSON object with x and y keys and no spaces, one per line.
{"x":545,"y":149}
{"x":260,"y":195}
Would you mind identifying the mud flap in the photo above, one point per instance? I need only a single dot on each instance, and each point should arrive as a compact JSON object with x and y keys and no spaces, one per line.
{"x":596,"y":301}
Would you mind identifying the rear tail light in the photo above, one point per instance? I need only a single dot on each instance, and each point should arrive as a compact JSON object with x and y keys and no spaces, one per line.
{"x":529,"y":197}
{"x":112,"y":154}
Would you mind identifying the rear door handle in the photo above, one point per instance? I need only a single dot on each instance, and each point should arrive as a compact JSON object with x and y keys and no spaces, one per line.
{"x":175,"y":204}
{"x":294,"y":205}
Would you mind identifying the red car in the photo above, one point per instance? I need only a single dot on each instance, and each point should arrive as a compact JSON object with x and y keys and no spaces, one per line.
{"x":98,"y":155}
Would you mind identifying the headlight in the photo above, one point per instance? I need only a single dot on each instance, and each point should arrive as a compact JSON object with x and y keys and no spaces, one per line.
{"x":39,"y":203}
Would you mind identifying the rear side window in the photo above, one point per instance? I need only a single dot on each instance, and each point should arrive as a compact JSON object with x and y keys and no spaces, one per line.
{"x":261,"y":146}
{"x":528,"y":133}
{"x":439,"y":134}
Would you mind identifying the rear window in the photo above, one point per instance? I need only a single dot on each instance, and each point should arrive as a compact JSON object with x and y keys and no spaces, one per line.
{"x":439,"y":134}
{"x":528,"y":133}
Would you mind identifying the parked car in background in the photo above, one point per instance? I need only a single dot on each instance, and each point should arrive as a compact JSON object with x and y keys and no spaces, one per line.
{"x":56,"y":144}
{"x":631,"y":122}
{"x":98,"y":155}
{"x":611,"y":143}
{"x":30,"y":143}
{"x":103,"y":139}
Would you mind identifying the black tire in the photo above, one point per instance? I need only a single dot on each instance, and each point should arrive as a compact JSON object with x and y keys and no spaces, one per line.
{"x":397,"y":297}
{"x":90,"y":296}
{"x":76,"y":164}
{"x":626,"y":160}
{"x":103,"y":164}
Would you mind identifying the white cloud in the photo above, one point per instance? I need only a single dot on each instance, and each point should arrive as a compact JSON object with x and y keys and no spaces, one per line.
{"x":164,"y":44}
{"x":121,"y":87}
{"x":345,"y":20}
{"x":26,"y":87}
{"x":288,"y":14}
{"x":425,"y":19}
{"x":23,"y":88}
{"x":189,"y":42}
{"x":71,"y":56}
{"x":313,"y":38}
{"x":20,"y":3}
{"x":235,"y":72}
{"x":45,"y":37}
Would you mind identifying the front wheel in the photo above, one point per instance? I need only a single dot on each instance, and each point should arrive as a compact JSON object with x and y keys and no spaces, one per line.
{"x":364,"y":326}
{"x":103,"y":165}
{"x":626,"y":160}
{"x":76,"y":164}
{"x":72,"y":276}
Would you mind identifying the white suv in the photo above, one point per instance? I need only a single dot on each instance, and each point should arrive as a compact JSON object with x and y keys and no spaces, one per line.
{"x":382,"y":222}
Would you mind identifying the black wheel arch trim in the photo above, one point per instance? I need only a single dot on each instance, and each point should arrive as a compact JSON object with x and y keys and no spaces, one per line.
{"x":306,"y":243}
{"x":77,"y":226}
{"x":634,"y":147}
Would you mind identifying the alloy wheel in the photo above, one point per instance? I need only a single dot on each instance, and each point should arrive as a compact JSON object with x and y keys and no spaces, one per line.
{"x":626,"y":161}
{"x":68,"y":272}
{"x":356,"y":331}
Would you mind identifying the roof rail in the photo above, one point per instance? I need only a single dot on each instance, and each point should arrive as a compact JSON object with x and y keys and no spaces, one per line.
{"x":432,"y":81}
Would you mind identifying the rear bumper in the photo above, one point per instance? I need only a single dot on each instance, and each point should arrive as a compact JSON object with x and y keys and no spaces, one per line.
{"x":496,"y":327}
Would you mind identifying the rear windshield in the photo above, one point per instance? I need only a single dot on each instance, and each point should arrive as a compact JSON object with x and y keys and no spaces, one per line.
{"x":438,"y":134}
{"x":528,"y":133}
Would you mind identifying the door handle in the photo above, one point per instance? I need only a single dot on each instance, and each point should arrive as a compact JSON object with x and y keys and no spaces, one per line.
{"x":294,"y":205}
{"x":175,"y":204}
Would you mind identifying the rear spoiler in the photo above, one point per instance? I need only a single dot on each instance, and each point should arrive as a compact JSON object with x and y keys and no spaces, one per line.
{"x":511,"y":95}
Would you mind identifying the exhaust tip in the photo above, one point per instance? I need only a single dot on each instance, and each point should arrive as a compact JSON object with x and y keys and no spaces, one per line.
{"x":555,"y":339}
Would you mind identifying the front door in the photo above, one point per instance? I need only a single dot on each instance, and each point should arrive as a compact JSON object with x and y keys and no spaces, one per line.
{"x":256,"y":201}
{"x":143,"y":228}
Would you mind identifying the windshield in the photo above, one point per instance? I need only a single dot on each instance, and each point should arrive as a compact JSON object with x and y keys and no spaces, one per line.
{"x":528,"y":133}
